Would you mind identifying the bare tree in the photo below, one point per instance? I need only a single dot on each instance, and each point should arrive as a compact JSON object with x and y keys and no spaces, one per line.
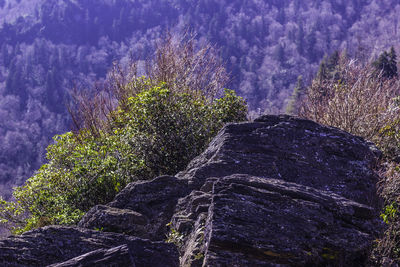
{"x":178,"y":62}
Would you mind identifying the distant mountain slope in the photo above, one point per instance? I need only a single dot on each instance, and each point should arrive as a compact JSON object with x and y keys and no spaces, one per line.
{"x":47,"y":46}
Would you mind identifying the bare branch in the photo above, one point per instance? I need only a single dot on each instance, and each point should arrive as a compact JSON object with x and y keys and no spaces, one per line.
{"x":359,"y":101}
{"x":176,"y":62}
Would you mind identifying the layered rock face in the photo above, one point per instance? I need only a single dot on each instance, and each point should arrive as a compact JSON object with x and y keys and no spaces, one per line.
{"x":279,"y":191}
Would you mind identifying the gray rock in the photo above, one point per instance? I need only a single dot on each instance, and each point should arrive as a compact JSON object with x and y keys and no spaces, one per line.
{"x":279,"y":191}
{"x":294,"y":150}
{"x":254,"y":221}
{"x":118,"y":256}
{"x":55,"y":244}
{"x":149,"y":205}
{"x":109,"y":219}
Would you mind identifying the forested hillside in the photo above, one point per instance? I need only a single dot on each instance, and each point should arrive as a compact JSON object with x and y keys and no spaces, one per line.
{"x":50,"y":46}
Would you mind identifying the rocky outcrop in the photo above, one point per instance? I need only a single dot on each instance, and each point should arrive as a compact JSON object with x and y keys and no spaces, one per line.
{"x":279,"y":191}
{"x":293,"y":150}
{"x":56,"y":244}
{"x":117,"y":256}
{"x":142,"y":209}
{"x":252,"y":221}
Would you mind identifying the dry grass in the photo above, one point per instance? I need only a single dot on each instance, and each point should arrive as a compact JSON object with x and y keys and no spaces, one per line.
{"x":362,"y":102}
{"x":357,"y":100}
{"x":387,"y":249}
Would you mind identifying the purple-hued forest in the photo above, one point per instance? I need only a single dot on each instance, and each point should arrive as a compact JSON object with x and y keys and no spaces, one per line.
{"x":49,"y":47}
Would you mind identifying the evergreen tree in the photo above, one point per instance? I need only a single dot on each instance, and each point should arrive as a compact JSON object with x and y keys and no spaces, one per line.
{"x":311,"y":40}
{"x":293,"y":106}
{"x":322,"y":70}
{"x":386,"y":64}
{"x":333,"y":60}
{"x":5,"y":55}
{"x":300,"y":39}
{"x":328,"y":66}
{"x":280,"y":54}
{"x":13,"y":78}
{"x":281,"y":18}
{"x":392,"y":63}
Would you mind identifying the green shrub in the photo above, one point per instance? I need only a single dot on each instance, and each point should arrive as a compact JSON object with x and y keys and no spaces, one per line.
{"x":156,"y":132}
{"x":135,"y":128}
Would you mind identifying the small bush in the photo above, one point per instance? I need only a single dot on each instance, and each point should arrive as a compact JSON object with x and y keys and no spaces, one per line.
{"x":158,"y":132}
{"x":137,"y":128}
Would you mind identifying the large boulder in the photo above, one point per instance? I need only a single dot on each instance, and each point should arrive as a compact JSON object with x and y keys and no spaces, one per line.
{"x":295,"y":150}
{"x":56,"y":244}
{"x":142,"y":209}
{"x":253,"y":221}
{"x":279,"y":191}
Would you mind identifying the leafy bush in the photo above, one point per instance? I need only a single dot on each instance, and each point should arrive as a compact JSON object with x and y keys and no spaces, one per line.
{"x":158,"y":132}
{"x":155,"y":128}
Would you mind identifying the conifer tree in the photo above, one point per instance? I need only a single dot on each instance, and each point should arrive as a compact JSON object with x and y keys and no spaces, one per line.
{"x":386,"y":64}
{"x":300,"y":39}
{"x":280,"y":54}
{"x":5,"y":55}
{"x":322,"y":70}
{"x":293,"y":106}
{"x":328,"y":66}
{"x":392,"y":62}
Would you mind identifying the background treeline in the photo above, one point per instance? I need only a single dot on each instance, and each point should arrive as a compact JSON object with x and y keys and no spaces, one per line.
{"x":50,"y":46}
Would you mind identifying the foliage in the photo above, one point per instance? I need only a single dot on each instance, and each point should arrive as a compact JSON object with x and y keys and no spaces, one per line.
{"x":294,"y":103}
{"x":386,"y":64}
{"x":174,"y":236}
{"x":387,"y":248}
{"x":133,"y":127}
{"x":328,"y":66}
{"x":157,"y":131}
{"x":48,"y":46}
{"x":357,"y":101}
{"x":389,"y":214}
{"x":179,"y":62}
